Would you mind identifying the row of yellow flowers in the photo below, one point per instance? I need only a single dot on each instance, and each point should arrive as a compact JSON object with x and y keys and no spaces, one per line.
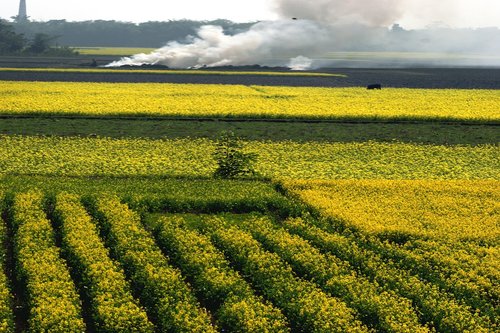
{"x":237,"y":308}
{"x":382,"y":309}
{"x":161,"y":287}
{"x":113,"y":306}
{"x":308,"y":308}
{"x":285,"y":160}
{"x":237,"y":101}
{"x":455,"y":210}
{"x":442,"y":310}
{"x":54,"y":304}
{"x":169,"y":72}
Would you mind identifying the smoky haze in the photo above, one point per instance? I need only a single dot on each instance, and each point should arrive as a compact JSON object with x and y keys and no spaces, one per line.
{"x":309,"y":30}
{"x":374,"y":12}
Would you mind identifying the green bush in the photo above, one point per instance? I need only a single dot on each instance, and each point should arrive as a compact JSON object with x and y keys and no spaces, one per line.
{"x":232,"y":161}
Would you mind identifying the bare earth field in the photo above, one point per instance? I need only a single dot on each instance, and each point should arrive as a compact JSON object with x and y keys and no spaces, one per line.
{"x":439,"y":78}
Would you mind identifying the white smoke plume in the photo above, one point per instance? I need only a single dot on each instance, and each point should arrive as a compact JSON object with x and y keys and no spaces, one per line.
{"x":310,"y":28}
{"x":265,"y":43}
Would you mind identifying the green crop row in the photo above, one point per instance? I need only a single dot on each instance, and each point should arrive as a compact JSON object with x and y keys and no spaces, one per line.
{"x":383,"y":310}
{"x":156,"y":194}
{"x":307,"y":307}
{"x":162,"y":287}
{"x":437,"y":307}
{"x":54,"y":305}
{"x":113,"y":307}
{"x":6,"y":314}
{"x":237,"y":307}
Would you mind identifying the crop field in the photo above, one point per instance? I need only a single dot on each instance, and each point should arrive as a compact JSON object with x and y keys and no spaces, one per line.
{"x":209,"y":101}
{"x":424,"y":209}
{"x":278,"y":160}
{"x":369,"y":211}
{"x":75,"y":70}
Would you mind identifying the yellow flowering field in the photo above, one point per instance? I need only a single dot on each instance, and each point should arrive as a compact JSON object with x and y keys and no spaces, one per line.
{"x":442,"y":210}
{"x":237,"y":101}
{"x":71,"y":156}
{"x":168,"y":71}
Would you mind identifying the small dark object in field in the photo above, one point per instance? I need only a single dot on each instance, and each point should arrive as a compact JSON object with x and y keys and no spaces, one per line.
{"x":374,"y":86}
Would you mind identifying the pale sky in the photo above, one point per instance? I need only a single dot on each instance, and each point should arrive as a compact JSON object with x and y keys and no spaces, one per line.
{"x":465,"y":13}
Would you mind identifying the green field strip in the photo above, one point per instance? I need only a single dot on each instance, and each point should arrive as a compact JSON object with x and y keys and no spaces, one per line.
{"x":170,"y":72}
{"x":7,"y":324}
{"x":162,"y":289}
{"x":382,"y":310}
{"x":311,"y":309}
{"x":54,"y":305}
{"x":36,"y":116}
{"x":422,"y":132}
{"x":156,"y":194}
{"x":113,"y":307}
{"x":220,"y":117}
{"x":237,"y":308}
{"x":437,"y":307}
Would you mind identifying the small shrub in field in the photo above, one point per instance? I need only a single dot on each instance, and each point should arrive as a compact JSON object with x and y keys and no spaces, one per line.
{"x":232,"y":161}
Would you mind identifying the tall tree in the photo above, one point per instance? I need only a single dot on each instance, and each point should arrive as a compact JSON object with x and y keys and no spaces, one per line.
{"x":10,"y":42}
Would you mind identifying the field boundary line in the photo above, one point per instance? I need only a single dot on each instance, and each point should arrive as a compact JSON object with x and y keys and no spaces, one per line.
{"x":263,"y":120}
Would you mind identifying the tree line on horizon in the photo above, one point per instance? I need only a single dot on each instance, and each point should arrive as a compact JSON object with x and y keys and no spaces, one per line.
{"x":42,"y":37}
{"x":122,"y":34}
{"x":38,"y":43}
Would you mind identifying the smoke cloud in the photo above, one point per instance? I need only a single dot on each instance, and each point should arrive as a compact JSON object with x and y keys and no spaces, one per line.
{"x":265,"y":43}
{"x":310,"y":29}
{"x":372,"y":12}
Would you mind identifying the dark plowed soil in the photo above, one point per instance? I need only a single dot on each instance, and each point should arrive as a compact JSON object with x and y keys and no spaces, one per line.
{"x":460,"y":78}
{"x":465,"y":78}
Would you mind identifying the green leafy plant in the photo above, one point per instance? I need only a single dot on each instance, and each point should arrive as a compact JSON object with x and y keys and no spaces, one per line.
{"x":232,"y":161}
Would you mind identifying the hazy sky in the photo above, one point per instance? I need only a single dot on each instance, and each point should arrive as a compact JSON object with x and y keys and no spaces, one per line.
{"x":464,"y":13}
